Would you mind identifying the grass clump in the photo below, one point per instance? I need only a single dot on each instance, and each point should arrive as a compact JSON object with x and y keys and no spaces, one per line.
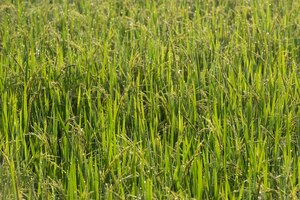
{"x":163,"y":99}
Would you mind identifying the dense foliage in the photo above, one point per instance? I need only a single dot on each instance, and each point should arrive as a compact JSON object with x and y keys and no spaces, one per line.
{"x":141,"y":99}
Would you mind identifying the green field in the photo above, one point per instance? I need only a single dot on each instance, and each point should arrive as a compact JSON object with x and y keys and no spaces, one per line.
{"x":149,"y":99}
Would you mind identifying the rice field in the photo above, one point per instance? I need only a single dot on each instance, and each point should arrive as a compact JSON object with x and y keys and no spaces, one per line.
{"x":149,"y":99}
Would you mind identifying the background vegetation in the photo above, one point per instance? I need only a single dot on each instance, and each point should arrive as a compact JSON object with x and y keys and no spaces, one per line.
{"x":141,"y":99}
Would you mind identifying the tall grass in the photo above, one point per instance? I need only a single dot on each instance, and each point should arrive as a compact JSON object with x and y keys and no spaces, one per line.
{"x":164,"y":99}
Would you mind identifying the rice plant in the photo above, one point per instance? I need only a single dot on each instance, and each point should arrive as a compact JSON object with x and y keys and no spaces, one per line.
{"x":149,"y":99}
